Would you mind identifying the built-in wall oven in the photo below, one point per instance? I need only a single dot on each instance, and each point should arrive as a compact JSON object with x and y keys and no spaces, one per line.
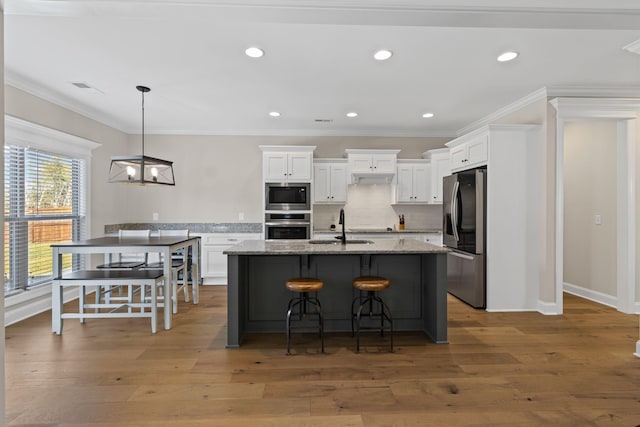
{"x":287,"y":226}
{"x":287,"y":196}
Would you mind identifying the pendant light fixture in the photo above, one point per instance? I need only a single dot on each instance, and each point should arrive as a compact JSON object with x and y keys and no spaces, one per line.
{"x":141,"y":169}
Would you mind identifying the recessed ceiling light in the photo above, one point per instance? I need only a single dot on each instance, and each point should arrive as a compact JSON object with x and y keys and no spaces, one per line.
{"x":382,"y":55}
{"x":274,"y":114}
{"x":508,"y":56}
{"x":254,"y":52}
{"x":427,"y":115}
{"x":352,"y":114}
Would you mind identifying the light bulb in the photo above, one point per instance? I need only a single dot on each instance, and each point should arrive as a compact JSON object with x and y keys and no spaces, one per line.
{"x":154,"y":174}
{"x":131,"y":172}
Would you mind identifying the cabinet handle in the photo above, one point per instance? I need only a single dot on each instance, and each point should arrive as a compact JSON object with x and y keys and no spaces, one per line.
{"x":286,"y":174}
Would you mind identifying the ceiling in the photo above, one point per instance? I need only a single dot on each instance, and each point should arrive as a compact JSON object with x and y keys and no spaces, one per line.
{"x":318,"y":62}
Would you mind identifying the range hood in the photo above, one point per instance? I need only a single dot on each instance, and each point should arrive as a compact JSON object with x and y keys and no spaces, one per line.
{"x":372,"y":166}
{"x":372,"y":178}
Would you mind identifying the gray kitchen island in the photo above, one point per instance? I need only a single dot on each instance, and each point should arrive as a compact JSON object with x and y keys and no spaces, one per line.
{"x":257,"y":271}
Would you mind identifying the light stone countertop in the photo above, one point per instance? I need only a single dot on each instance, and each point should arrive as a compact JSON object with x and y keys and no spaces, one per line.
{"x":193,"y":227}
{"x":303,"y":247}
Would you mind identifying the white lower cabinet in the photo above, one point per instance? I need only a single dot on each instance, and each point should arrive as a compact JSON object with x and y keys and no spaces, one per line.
{"x":433,"y":238}
{"x":214,"y":262}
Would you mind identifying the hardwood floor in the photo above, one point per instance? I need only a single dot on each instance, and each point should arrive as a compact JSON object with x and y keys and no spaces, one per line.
{"x":499,"y":369}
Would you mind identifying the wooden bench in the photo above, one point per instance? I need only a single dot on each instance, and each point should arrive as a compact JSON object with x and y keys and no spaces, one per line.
{"x":146,"y":306}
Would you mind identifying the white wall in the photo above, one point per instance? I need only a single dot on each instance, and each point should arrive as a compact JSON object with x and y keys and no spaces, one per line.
{"x":589,"y":190}
{"x":512,"y":269}
{"x":2,"y":335}
{"x":637,"y":302}
{"x":218,"y":177}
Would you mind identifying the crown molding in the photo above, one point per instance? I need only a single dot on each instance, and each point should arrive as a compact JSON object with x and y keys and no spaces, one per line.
{"x":616,"y":14}
{"x":594,"y":91}
{"x":596,"y":108}
{"x":508,"y":109}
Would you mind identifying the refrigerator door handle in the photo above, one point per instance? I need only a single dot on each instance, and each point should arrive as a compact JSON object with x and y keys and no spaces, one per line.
{"x":454,"y":210}
{"x":459,"y":255}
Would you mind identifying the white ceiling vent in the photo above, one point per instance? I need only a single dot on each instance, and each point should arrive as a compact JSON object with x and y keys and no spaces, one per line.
{"x":86,"y":87}
{"x":323,"y":120}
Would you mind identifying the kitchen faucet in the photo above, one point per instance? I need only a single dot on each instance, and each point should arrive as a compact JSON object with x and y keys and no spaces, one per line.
{"x":341,"y":222}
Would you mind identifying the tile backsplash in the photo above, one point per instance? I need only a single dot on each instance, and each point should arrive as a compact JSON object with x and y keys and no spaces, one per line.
{"x":369,"y":206}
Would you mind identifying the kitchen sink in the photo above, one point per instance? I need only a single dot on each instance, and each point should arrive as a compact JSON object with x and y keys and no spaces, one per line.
{"x":338,"y":242}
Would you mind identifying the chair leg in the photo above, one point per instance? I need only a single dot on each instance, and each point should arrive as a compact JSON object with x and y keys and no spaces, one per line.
{"x":301,"y":302}
{"x":385,"y":313}
{"x":174,"y":292}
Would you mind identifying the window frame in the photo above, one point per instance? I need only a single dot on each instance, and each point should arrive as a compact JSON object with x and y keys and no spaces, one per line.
{"x":36,"y":137}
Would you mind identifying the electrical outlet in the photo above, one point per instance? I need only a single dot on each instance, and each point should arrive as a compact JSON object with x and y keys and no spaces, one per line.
{"x":155,"y":216}
{"x":241,"y":216}
{"x":598,"y":220}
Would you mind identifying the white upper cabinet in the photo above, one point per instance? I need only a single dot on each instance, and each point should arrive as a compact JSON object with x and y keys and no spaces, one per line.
{"x":440,"y":167}
{"x":469,"y":152}
{"x":376,"y":164}
{"x":287,"y":163}
{"x":413,"y":181}
{"x":330,"y":181}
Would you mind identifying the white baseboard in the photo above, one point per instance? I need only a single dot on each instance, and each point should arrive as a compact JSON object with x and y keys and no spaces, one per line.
{"x":29,"y":303}
{"x":549,"y":308}
{"x":214,"y":280}
{"x":591,"y":295}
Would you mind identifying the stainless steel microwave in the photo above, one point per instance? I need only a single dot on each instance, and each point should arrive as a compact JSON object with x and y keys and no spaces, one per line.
{"x":285,"y":196}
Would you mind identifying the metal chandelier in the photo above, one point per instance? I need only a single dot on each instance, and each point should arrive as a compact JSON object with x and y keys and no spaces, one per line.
{"x":141,"y":169}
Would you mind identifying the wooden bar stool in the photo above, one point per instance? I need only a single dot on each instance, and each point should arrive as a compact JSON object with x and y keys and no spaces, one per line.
{"x":302,"y":286}
{"x":371,"y":285}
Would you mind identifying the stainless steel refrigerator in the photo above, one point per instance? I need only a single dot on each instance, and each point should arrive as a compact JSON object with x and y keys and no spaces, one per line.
{"x":464,"y":225}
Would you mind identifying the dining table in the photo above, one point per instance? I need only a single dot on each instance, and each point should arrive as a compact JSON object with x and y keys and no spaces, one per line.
{"x":108,"y":245}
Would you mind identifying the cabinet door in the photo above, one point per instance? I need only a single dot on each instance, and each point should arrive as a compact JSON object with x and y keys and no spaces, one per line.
{"x":458,"y":157}
{"x":214,"y":262}
{"x":384,"y":163}
{"x":360,"y":163}
{"x":477,"y":151}
{"x":321,"y":183}
{"x":338,"y":175}
{"x":421,"y":180}
{"x":404,"y":188}
{"x":299,"y":166}
{"x":439,"y":169}
{"x":275,"y":167}
{"x":433,"y":238}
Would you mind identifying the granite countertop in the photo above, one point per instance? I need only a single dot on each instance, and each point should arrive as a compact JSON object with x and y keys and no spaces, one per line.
{"x":378,"y":230}
{"x":193,"y":227}
{"x":303,"y":247}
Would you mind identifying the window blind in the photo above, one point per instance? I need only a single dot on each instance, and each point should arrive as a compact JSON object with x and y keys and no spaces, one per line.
{"x":44,"y":204}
